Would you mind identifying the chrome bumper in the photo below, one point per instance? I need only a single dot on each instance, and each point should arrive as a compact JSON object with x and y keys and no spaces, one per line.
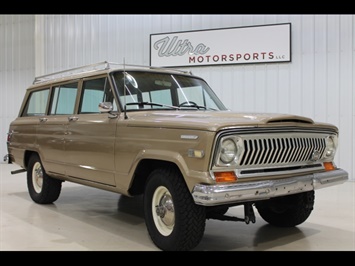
{"x":210,"y":195}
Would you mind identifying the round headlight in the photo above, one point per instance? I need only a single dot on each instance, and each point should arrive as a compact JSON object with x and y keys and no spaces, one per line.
{"x":228,"y":151}
{"x":330,"y":147}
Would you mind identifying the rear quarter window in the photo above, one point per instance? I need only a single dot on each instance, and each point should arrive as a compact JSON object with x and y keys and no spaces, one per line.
{"x":37,"y":103}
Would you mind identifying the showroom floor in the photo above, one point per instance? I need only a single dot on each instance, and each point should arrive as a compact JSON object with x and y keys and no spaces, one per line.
{"x":87,"y":219}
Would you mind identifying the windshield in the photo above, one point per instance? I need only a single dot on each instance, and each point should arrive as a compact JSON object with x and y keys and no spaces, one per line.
{"x":150,"y":90}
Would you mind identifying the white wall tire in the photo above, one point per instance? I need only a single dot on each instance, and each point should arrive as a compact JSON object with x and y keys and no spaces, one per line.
{"x":173,"y":220}
{"x":163,"y":211}
{"x":37,"y":177}
{"x":42,"y":188}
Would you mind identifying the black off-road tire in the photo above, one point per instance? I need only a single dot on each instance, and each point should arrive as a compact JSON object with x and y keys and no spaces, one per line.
{"x":287,"y":211}
{"x":42,"y":188}
{"x":180,"y":224}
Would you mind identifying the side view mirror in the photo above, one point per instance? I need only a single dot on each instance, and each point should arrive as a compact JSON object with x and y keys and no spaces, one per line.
{"x":105,"y":107}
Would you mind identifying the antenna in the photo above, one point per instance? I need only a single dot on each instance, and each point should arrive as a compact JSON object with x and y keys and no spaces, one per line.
{"x":124,"y":89}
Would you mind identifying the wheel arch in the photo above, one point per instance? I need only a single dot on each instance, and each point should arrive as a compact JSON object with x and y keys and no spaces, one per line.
{"x":148,"y":160}
{"x":27,"y":156}
{"x":143,"y":170}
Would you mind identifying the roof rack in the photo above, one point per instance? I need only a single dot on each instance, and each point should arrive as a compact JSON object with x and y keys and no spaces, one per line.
{"x":93,"y":67}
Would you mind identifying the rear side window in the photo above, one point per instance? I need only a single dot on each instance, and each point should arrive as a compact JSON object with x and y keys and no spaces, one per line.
{"x":63,"y":99}
{"x":37,"y":103}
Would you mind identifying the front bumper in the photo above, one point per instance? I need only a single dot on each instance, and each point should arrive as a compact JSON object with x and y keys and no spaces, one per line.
{"x":211,"y":195}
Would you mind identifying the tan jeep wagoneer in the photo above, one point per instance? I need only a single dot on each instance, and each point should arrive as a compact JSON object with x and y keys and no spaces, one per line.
{"x":164,"y":134}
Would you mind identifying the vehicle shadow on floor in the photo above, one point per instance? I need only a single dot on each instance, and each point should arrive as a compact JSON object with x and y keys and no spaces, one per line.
{"x":124,"y":216}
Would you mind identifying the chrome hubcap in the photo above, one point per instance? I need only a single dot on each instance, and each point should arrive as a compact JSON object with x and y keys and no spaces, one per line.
{"x":37,"y":177}
{"x":165,"y":210}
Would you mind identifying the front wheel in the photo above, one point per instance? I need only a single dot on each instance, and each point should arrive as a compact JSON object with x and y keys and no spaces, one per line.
{"x":42,"y":188}
{"x":287,"y":211}
{"x":173,"y":220}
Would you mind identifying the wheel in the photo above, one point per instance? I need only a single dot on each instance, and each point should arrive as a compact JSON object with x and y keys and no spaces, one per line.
{"x":174,"y":222}
{"x":287,"y":211}
{"x":42,"y":188}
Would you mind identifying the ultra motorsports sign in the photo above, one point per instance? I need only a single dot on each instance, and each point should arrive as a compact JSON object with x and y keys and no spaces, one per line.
{"x":243,"y":45}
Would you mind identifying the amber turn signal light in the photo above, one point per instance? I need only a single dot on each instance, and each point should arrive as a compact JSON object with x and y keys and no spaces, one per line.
{"x":225,"y":177}
{"x":328,"y":166}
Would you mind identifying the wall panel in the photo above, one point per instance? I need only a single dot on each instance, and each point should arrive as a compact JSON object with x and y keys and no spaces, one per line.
{"x":16,"y":68}
{"x":283,"y":94}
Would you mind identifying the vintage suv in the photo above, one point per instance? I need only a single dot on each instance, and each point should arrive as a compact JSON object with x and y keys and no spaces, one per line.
{"x":164,"y":134}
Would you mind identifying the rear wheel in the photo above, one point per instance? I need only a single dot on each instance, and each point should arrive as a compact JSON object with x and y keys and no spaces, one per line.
{"x":173,"y":220}
{"x":42,"y":188}
{"x":287,"y":211}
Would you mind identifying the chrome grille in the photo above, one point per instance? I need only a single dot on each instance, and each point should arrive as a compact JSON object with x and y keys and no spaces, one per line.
{"x":267,"y":151}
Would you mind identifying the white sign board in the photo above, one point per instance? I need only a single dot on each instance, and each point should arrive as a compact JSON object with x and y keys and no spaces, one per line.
{"x":243,"y":45}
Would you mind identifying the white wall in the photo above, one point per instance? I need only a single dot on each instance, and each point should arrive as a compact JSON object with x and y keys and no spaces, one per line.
{"x":17,"y":68}
{"x":319,"y":82}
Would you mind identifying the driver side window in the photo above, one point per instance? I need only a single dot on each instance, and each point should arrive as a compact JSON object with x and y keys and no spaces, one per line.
{"x":94,"y":92}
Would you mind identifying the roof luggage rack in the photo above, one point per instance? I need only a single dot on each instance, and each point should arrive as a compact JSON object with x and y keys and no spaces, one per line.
{"x":91,"y":68}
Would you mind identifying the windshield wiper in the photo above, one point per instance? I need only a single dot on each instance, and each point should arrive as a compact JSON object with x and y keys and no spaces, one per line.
{"x":141,"y":104}
{"x":190,"y":104}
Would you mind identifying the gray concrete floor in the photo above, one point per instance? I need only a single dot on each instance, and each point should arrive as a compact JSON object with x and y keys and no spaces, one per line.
{"x":88,"y":219}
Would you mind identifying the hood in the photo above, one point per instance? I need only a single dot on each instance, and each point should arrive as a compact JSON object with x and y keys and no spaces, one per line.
{"x":213,"y":120}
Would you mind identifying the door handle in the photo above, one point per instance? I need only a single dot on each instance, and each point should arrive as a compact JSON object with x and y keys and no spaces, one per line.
{"x":43,"y":119}
{"x":73,"y":118}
